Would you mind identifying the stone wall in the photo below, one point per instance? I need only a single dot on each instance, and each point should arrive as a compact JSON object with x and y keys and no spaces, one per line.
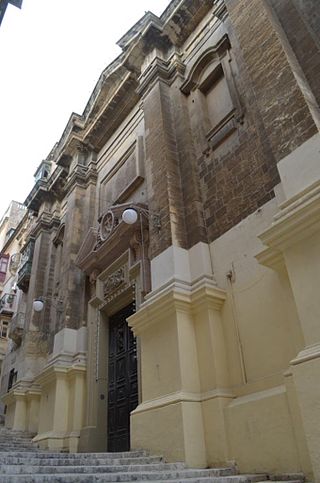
{"x":205,"y":122}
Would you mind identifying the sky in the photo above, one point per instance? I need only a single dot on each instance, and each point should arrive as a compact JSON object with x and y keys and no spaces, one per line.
{"x":51,"y":55}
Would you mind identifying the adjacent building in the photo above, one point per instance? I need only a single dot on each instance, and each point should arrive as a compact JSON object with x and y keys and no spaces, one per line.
{"x":170,"y":273}
{"x":9,"y":262}
{"x":4,"y":4}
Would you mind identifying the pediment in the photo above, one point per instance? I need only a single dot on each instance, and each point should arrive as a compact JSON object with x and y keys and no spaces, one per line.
{"x":101,"y":247}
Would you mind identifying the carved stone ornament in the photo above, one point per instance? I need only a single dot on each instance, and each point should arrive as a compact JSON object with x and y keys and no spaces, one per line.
{"x":107,"y":225}
{"x":93,"y":276}
{"x":114,"y":281}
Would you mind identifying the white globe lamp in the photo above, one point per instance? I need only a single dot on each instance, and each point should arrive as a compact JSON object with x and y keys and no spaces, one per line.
{"x":129,"y":216}
{"x":38,"y":305}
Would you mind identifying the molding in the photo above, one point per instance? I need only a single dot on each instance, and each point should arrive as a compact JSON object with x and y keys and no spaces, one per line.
{"x":166,"y":71}
{"x":220,"y":10}
{"x":49,"y":435}
{"x":96,"y":302}
{"x":308,"y":354}
{"x":81,"y":176}
{"x":271,"y":258}
{"x":207,"y":296}
{"x":8,"y":398}
{"x":257,"y":396}
{"x":24,"y":388}
{"x":217,"y":52}
{"x":45,"y":221}
{"x":53,"y":372}
{"x":177,"y":297}
{"x":299,"y":218}
{"x":182,"y":397}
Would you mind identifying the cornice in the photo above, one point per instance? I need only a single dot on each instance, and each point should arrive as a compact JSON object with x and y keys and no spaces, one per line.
{"x":297,"y":219}
{"x":44,"y":222}
{"x":207,"y":296}
{"x":81,"y":176}
{"x":165,"y":70}
{"x":38,"y":193}
{"x":46,"y":190}
{"x":177,"y":297}
{"x":115,"y":92}
{"x":271,"y":258}
{"x":60,"y":370}
{"x":180,"y":20}
{"x":49,"y":374}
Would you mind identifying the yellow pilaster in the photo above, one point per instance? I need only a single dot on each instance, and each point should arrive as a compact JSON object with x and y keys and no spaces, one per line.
{"x":61,"y":403}
{"x":20,"y":414}
{"x":296,"y":234}
{"x":33,"y":398}
{"x":174,"y":345}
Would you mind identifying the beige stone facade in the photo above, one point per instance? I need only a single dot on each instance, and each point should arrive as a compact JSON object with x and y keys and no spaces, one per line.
{"x":207,"y":127}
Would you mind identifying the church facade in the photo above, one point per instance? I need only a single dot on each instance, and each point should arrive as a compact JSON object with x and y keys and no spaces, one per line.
{"x":170,"y":274}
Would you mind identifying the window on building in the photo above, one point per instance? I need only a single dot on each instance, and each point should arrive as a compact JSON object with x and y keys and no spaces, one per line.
{"x":218,"y":98}
{"x":4,"y":325}
{"x":4,"y":260}
{"x":12,"y":378}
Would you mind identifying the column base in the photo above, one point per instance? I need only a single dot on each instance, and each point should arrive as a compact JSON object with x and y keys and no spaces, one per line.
{"x":170,"y":426}
{"x":92,"y":440}
{"x":58,"y":442}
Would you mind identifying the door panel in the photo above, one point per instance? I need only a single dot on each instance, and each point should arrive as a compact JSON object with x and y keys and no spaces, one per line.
{"x":123,"y":380}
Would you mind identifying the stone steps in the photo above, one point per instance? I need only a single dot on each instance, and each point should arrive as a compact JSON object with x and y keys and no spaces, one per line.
{"x":111,"y":474}
{"x":23,"y":462}
{"x":82,"y":468}
{"x":64,"y":460}
{"x":14,"y":449}
{"x":107,"y":456}
{"x":101,"y":478}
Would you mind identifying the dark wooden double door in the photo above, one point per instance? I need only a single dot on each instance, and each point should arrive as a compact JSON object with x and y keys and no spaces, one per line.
{"x":123,"y":380}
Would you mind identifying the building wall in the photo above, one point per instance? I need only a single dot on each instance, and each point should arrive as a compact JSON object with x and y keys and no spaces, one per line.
{"x":211,"y":126}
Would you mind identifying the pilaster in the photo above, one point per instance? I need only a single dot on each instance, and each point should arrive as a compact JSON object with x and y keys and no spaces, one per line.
{"x":20,"y":415}
{"x":295,"y":233}
{"x":162,"y":159}
{"x":63,"y":392}
{"x":179,"y":327}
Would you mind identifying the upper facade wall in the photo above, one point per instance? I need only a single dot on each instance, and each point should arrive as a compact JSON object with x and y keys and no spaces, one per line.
{"x":236,"y":110}
{"x":121,"y":165}
{"x":191,"y":120}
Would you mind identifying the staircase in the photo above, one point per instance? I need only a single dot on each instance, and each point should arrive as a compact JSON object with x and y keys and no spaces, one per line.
{"x":21,"y":462}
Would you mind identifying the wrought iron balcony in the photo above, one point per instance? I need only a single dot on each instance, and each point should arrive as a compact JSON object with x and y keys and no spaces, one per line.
{"x":16,"y":328}
{"x":24,"y":272}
